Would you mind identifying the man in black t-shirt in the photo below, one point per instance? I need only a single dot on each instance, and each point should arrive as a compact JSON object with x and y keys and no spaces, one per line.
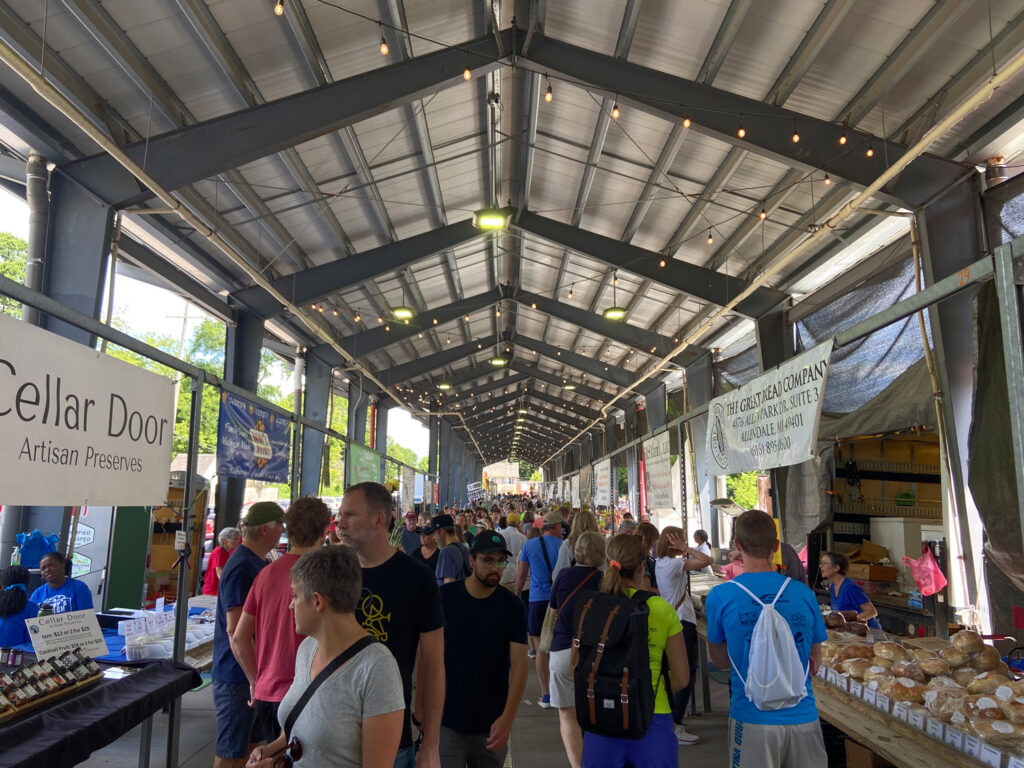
{"x":489,"y":624}
{"x":400,"y":607}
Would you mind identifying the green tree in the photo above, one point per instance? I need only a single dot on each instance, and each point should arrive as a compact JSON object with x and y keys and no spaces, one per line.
{"x":526,"y":469}
{"x":537,"y":476}
{"x":13,"y":254}
{"x":742,"y":488}
{"x":401,"y":453}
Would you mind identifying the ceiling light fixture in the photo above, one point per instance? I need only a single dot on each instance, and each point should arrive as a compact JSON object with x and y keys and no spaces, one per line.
{"x":842,"y":139}
{"x":491,"y":219}
{"x":686,"y":122}
{"x":383,"y":43}
{"x":279,"y":7}
{"x":467,"y":74}
{"x":615,"y":111}
{"x":444,"y":386}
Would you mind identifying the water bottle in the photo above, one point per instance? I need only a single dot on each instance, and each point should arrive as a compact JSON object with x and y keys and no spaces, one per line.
{"x":16,"y":556}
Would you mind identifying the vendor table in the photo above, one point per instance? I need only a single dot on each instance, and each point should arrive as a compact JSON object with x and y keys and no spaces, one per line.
{"x":896,"y":741}
{"x":69,"y":730}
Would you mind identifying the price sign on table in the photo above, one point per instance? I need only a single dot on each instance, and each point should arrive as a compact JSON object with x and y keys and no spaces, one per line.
{"x":856,"y":689}
{"x":917,"y":719}
{"x":901,"y":711}
{"x":972,"y":747}
{"x":1015,"y":762}
{"x":990,"y":755}
{"x":61,"y":632}
{"x":935,"y":728}
{"x":954,"y":737}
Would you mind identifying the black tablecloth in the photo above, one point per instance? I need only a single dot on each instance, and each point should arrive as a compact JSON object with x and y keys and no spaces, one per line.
{"x":68,"y":731}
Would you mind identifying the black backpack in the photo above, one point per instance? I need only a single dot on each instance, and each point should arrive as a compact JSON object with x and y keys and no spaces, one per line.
{"x":611,"y":667}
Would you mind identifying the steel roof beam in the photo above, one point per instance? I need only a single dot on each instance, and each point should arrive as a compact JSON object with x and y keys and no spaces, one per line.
{"x":617,"y":376}
{"x":576,"y":408}
{"x":196,"y":152}
{"x":699,"y":282}
{"x":769,"y":128}
{"x":319,"y":282}
{"x":583,"y":390}
{"x":490,"y":386}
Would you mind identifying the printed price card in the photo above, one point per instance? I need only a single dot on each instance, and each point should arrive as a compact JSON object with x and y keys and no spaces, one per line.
{"x":901,"y":711}
{"x":935,"y":728}
{"x":856,"y":689}
{"x":972,"y":747}
{"x":823,"y":671}
{"x":1015,"y":762}
{"x":990,"y":756}
{"x":882,"y":701}
{"x":180,"y":539}
{"x":869,"y":696}
{"x":917,"y":719}
{"x":954,"y":737}
{"x":61,"y":632}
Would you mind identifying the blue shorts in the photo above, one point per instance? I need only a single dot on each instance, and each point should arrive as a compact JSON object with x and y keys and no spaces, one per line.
{"x":535,"y":617}
{"x":406,"y":758}
{"x":657,"y":749}
{"x":234,"y":719}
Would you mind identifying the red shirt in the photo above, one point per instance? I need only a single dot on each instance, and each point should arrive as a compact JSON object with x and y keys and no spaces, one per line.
{"x":218,"y":558}
{"x":276,"y":638}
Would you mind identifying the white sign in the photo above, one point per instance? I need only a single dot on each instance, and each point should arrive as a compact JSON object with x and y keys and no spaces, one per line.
{"x":658,"y":467}
{"x":61,"y":632}
{"x":180,"y":540}
{"x":575,"y":482}
{"x":84,"y":534}
{"x":771,"y":421}
{"x":78,"y":427}
{"x":603,"y":483}
{"x":408,"y":490}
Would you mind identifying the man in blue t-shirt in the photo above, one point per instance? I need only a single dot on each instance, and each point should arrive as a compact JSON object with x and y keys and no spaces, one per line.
{"x":781,"y":738}
{"x":538,"y":557}
{"x":261,"y":530}
{"x":453,"y":560}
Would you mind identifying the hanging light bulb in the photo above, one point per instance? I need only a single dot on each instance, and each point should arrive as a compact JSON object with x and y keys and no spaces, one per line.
{"x":387,"y":327}
{"x":383,"y":46}
{"x":711,"y":239}
{"x":661,"y":263}
{"x":334,"y":312}
{"x":435,"y":321}
{"x":828,"y":179}
{"x":615,"y":111}
{"x":842,"y":139}
{"x":742,"y":132}
{"x":356,"y":318}
{"x":796,"y":133}
{"x":380,"y":319}
{"x":763,"y":214}
{"x":570,"y":290}
{"x":467,"y":74}
{"x":686,"y":122}
{"x":533,"y":305}
{"x":497,"y":313}
{"x":549,"y":94}
{"x":870,"y":152}
{"x":279,"y":8}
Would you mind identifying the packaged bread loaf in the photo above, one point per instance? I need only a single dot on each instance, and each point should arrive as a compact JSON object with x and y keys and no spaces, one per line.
{"x":982,"y":705}
{"x":986,"y":682}
{"x":945,"y":682}
{"x":1001,"y":734}
{"x":964,"y":675}
{"x":955,"y":656}
{"x":1013,"y":709}
{"x":903,"y":689}
{"x":855,"y":651}
{"x":943,"y":702}
{"x":858,"y":628}
{"x":856,"y":668}
{"x":835,"y":620}
{"x":935,"y":667}
{"x":987,"y":659}
{"x":968,"y":641}
{"x":876,"y":673}
{"x":890,"y":650}
{"x":878,"y":661}
{"x":850,"y":615}
{"x":909,"y":669}
{"x":923,"y":653}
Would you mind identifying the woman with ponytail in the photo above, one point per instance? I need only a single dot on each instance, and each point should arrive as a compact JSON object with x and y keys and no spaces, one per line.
{"x":15,"y":606}
{"x":658,"y":748}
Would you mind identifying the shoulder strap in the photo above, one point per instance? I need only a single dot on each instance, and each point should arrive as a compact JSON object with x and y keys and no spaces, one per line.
{"x":325,"y":673}
{"x":575,"y":589}
{"x":547,"y":558}
{"x":752,"y":595}
{"x":784,"y":585}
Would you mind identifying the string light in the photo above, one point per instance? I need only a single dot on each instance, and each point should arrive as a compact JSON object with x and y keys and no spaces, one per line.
{"x":828,"y":179}
{"x":334,"y":312}
{"x":387,"y":327}
{"x":842,"y":139}
{"x":710,"y":238}
{"x":764,"y":213}
{"x":380,"y":319}
{"x":279,"y":7}
{"x":570,"y":290}
{"x":686,"y":122}
{"x":356,"y":318}
{"x":435,"y":321}
{"x":742,"y":133}
{"x":661,"y":263}
{"x":383,"y":44}
{"x":615,"y":111}
{"x":467,"y":74}
{"x":467,"y":317}
{"x":533,"y":305}
{"x":497,"y":313}
{"x":870,"y":152}
{"x":549,"y":94}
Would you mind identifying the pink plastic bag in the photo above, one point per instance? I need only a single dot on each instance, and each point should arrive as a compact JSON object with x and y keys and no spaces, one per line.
{"x":927,"y":575}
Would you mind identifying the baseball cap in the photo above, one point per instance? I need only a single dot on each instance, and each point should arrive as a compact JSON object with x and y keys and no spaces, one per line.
{"x":552,"y":518}
{"x":440,"y":521}
{"x":513,"y":518}
{"x":487,"y":542}
{"x":410,"y":514}
{"x":263,"y":512}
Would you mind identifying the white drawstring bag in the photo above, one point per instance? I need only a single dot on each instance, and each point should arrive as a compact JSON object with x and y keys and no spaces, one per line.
{"x":776,"y":678}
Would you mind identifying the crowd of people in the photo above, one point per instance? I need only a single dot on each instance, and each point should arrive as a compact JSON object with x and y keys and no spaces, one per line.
{"x":377,"y":642}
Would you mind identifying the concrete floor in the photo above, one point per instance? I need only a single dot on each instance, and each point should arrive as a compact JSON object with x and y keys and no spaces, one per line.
{"x":535,"y":739}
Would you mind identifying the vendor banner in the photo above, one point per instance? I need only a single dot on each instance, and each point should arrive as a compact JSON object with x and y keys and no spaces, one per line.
{"x":364,"y":466}
{"x":658,"y":471}
{"x":475,"y":492}
{"x":574,"y":483}
{"x":79,"y":427}
{"x":603,"y":483}
{"x":408,"y":491}
{"x":252,"y":441}
{"x":771,"y":421}
{"x":586,"y":484}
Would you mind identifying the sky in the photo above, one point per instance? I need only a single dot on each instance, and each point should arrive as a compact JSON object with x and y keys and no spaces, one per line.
{"x":134,"y":302}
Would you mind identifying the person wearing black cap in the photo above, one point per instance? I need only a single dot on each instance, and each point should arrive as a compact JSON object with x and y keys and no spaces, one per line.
{"x":489,"y":624}
{"x":453,"y":562}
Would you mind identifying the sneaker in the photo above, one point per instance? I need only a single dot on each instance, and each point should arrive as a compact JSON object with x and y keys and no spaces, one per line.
{"x":544,"y":702}
{"x":684,"y":738}
{"x":531,"y":654}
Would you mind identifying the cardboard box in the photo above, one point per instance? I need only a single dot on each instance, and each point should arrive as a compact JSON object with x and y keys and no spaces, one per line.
{"x":868,"y":552}
{"x":859,"y":756}
{"x":866,"y":572}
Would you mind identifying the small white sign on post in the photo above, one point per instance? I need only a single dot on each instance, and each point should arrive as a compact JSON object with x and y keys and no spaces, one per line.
{"x":78,"y":427}
{"x":603,"y":483}
{"x":771,"y":421}
{"x":61,"y":632}
{"x":658,"y":467}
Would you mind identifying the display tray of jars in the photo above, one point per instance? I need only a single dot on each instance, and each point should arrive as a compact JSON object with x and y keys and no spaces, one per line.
{"x":962,"y":694}
{"x":25,"y":687}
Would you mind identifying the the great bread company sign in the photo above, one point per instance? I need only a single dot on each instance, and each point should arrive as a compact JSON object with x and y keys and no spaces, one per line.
{"x":771,"y":421}
{"x":77,"y":426}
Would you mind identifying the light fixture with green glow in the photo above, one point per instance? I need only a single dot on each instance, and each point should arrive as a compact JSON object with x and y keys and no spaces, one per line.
{"x":498,"y":360}
{"x":491,"y":218}
{"x":403,"y":313}
{"x":522,"y":410}
{"x":569,"y":386}
{"x":614,"y":312}
{"x":444,"y":386}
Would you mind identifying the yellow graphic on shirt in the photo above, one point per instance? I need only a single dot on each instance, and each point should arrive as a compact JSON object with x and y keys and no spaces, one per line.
{"x":374,"y":618}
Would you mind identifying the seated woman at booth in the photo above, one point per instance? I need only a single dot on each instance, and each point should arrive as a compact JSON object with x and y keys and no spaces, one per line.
{"x":15,"y":606}
{"x":60,"y":591}
{"x":844,"y":593}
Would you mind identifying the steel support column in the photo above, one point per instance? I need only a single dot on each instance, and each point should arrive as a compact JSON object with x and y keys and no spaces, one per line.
{"x":632,"y":460}
{"x":314,"y":408}
{"x":432,"y":433}
{"x":358,"y":400}
{"x":445,"y":465}
{"x":380,"y":441}
{"x":597,"y":444}
{"x":242,"y":349}
{"x":699,"y":385}
{"x":773,"y":348}
{"x":656,"y":401}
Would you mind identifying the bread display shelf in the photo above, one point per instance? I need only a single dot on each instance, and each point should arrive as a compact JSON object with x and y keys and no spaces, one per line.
{"x":49,"y":698}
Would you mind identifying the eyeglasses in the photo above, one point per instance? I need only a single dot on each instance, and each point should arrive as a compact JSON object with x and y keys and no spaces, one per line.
{"x":490,"y":562}
{"x":287,"y":756}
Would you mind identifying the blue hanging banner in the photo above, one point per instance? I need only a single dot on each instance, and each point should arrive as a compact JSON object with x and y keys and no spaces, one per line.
{"x":252,"y":441}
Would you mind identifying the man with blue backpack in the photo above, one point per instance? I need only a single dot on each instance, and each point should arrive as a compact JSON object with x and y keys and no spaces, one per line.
{"x":768,"y":629}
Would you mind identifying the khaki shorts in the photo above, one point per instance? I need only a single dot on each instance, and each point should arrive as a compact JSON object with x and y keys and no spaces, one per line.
{"x":776,"y":746}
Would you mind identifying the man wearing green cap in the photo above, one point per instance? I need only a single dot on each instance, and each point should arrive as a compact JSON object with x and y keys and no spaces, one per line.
{"x":261,"y":530}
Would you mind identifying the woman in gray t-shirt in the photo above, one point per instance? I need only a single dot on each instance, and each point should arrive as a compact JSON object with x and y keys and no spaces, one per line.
{"x":355,"y":717}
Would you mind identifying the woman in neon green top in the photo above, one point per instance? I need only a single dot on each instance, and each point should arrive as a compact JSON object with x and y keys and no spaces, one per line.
{"x":658,"y":747}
